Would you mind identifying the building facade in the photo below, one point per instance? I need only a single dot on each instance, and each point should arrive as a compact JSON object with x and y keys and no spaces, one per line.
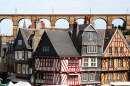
{"x":115,"y":63}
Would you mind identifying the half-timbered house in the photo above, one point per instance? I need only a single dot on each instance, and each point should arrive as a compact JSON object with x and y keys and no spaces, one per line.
{"x":115,"y":63}
{"x":56,"y":60}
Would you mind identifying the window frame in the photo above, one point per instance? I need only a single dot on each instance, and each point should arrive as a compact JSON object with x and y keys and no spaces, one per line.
{"x":116,"y":50}
{"x":111,"y":62}
{"x":118,"y":76}
{"x":85,"y":77}
{"x":72,"y":77}
{"x":23,"y":69}
{"x":46,"y":49}
{"x":45,"y":62}
{"x":121,"y":50}
{"x":73,"y":61}
{"x":90,"y":74}
{"x":90,"y":36}
{"x":110,"y":50}
{"x":109,"y":76}
{"x":26,"y":55}
{"x":89,"y":62}
{"x":91,"y":49}
{"x":120,"y":62}
{"x":18,"y":68}
{"x":19,"y":42}
{"x":44,"y":76}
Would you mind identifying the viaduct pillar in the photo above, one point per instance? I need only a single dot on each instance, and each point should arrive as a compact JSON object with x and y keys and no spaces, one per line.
{"x":15,"y":25}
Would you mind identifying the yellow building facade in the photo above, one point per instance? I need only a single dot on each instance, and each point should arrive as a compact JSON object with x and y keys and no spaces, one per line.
{"x":115,"y":63}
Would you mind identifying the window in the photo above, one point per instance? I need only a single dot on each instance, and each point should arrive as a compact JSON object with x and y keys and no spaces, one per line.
{"x":46,"y":62}
{"x":19,"y":68}
{"x":120,"y":62}
{"x":117,"y":39}
{"x":85,"y":77}
{"x":91,"y":77}
{"x":119,"y":76}
{"x":26,"y":55}
{"x":73,"y":63}
{"x":110,"y":50}
{"x":22,"y":55}
{"x":115,"y":50}
{"x":26,"y":69}
{"x":121,"y":50}
{"x":91,"y":49}
{"x":45,"y":76}
{"x":85,"y":62}
{"x":45,"y":48}
{"x":16,"y":55}
{"x":19,"y":42}
{"x":93,"y":62}
{"x":73,"y":77}
{"x":29,"y":54}
{"x":110,"y":76}
{"x":111,"y":63}
{"x":90,"y":36}
{"x":89,"y":62}
{"x":23,"y":69}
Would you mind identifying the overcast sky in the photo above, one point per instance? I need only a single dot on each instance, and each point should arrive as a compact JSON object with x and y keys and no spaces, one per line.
{"x":62,"y":7}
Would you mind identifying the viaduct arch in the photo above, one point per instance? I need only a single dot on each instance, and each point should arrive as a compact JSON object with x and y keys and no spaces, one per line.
{"x":69,"y":17}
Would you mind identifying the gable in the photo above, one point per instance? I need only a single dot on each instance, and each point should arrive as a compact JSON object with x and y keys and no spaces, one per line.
{"x":117,"y":41}
{"x":90,"y":28}
{"x":19,"y":47}
{"x":45,"y":42}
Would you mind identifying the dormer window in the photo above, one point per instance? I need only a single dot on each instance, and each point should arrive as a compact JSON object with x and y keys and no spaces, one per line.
{"x":19,"y":42}
{"x":90,"y":36}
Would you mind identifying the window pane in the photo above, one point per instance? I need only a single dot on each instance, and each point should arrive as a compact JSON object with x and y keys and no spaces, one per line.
{"x":73,"y":64}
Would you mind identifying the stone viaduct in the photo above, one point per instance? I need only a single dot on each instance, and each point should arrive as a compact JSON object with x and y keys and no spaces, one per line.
{"x":69,"y":17}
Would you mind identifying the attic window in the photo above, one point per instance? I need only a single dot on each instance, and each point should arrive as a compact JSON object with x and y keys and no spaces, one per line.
{"x":90,"y":36}
{"x":45,"y":48}
{"x":19,"y":42}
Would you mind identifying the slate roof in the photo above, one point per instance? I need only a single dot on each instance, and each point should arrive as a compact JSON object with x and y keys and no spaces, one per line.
{"x":101,"y":33}
{"x":62,"y":43}
{"x":108,"y":35}
{"x":28,"y":33}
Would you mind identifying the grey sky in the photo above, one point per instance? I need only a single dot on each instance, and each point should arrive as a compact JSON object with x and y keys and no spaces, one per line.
{"x":64,"y":6}
{"x":61,"y":7}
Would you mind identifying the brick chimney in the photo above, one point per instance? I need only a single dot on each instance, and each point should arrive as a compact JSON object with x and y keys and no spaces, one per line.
{"x":39,"y":24}
{"x":71,"y":25}
{"x":32,"y":26}
{"x":86,"y":20}
{"x":42,"y":24}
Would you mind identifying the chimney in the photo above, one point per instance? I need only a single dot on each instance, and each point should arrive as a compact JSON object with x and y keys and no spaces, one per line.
{"x":75,"y":29}
{"x":86,"y":21}
{"x":71,"y":25}
{"x":32,"y":26}
{"x":42,"y":24}
{"x":37,"y":23}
